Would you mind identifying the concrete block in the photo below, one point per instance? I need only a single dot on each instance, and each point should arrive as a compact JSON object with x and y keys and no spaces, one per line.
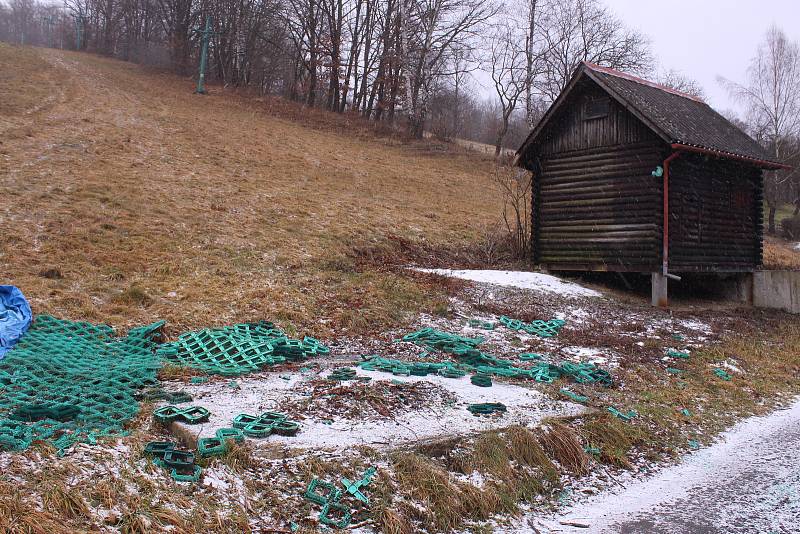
{"x":658,"y":286}
{"x":777,"y":289}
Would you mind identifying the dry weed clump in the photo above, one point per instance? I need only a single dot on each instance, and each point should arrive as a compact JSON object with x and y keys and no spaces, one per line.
{"x":780,"y":255}
{"x":442,"y":502}
{"x":63,"y":501}
{"x":18,"y":515}
{"x":428,"y":494}
{"x":374,"y":399}
{"x":562,"y":444}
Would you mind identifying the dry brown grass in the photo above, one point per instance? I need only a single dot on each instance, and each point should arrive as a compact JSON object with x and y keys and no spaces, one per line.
{"x":425,"y":494}
{"x":611,"y":436}
{"x":443,"y":503}
{"x":561,"y":443}
{"x":780,"y":254}
{"x":769,"y":358}
{"x":23,"y":67}
{"x":18,"y":515}
{"x":67,"y":502}
{"x":154,"y":202}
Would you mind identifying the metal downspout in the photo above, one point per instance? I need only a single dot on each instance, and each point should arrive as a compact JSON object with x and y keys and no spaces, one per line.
{"x":665,"y":237}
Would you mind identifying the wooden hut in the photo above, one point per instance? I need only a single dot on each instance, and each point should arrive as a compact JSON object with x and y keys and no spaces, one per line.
{"x":632,"y":176}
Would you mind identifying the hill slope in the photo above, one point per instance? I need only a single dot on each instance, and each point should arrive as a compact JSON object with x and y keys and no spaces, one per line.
{"x":155,"y":202}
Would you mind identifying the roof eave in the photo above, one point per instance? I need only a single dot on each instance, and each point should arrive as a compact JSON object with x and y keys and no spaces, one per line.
{"x":762,"y":163}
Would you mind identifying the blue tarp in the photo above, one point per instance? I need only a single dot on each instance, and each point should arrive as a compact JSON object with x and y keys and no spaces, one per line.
{"x":15,"y":317}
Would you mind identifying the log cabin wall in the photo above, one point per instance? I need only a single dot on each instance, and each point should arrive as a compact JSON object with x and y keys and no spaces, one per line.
{"x":596,"y":205}
{"x":716,"y":215}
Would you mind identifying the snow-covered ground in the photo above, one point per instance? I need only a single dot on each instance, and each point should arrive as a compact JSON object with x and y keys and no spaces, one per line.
{"x":269,"y":391}
{"x":520,"y":280}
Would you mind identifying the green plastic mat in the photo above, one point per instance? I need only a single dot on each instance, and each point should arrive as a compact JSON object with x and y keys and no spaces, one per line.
{"x":487,"y":408}
{"x":68,"y":382}
{"x":540,"y":328}
{"x":238,"y":349}
{"x":472,"y":359}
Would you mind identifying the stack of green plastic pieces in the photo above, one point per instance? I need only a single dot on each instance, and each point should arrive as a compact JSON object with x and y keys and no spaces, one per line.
{"x":481,"y":380}
{"x":68,"y":382}
{"x":582,"y":373}
{"x":487,"y":408}
{"x":471,"y":359}
{"x":238,"y":349}
{"x":464,"y":348}
{"x":401,"y":368}
{"x":180,"y":463}
{"x":539,"y":328}
{"x":586,"y":373}
{"x":342,"y":373}
{"x":436,"y":339}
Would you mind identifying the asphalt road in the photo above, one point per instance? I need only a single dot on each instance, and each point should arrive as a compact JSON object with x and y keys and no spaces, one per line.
{"x":749,"y":482}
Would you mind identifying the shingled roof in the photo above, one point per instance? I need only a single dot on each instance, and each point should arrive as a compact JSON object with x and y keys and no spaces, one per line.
{"x":678,"y":118}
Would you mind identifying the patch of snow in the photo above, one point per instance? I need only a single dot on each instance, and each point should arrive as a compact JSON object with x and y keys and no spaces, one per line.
{"x":267,"y":391}
{"x":695,"y":325}
{"x":519,"y":279}
{"x":589,"y":355}
{"x":797,"y":246}
{"x":731,"y":366}
{"x":476,"y":479}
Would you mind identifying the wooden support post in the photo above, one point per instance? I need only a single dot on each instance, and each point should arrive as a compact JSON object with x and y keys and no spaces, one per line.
{"x":658,"y":285}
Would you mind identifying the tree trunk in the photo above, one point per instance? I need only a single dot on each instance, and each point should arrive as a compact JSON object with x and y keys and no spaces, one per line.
{"x":312,"y":63}
{"x":771,"y":225}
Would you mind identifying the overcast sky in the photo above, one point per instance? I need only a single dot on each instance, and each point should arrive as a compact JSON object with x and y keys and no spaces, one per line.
{"x":706,"y":38}
{"x":702,"y":38}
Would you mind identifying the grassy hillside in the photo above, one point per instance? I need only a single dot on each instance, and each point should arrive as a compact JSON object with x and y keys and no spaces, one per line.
{"x":128,"y":198}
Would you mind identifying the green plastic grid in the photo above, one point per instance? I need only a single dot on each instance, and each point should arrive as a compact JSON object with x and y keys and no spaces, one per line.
{"x":66,"y":382}
{"x":325,"y":515}
{"x":238,"y":349}
{"x":487,"y":408}
{"x":480,"y":380}
{"x":313,"y":494}
{"x":192,"y":415}
{"x":211,"y":447}
{"x":265,"y":424}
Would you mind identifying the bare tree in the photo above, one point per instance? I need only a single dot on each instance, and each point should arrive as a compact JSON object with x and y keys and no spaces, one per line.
{"x":772,"y":98}
{"x":386,"y":59}
{"x":509,"y":74}
{"x":533,"y":56}
{"x":573,"y":31}
{"x":432,"y":31}
{"x":514,"y":185}
{"x":675,"y":79}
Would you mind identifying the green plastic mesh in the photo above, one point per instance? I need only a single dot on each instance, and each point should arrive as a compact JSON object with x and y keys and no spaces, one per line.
{"x":472,"y":359}
{"x":66,"y":382}
{"x":238,"y":349}
{"x":540,"y":328}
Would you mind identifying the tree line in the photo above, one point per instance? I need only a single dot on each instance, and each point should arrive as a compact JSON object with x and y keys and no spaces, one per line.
{"x":404,"y":62}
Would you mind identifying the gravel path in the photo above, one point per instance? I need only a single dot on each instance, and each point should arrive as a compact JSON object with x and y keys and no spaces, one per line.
{"x":747,"y":482}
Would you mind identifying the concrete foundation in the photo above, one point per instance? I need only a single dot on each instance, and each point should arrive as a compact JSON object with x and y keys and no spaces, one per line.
{"x":658,"y":288}
{"x":777,"y":289}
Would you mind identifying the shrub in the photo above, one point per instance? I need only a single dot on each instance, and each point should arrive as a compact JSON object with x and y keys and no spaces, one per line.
{"x":790,"y":227}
